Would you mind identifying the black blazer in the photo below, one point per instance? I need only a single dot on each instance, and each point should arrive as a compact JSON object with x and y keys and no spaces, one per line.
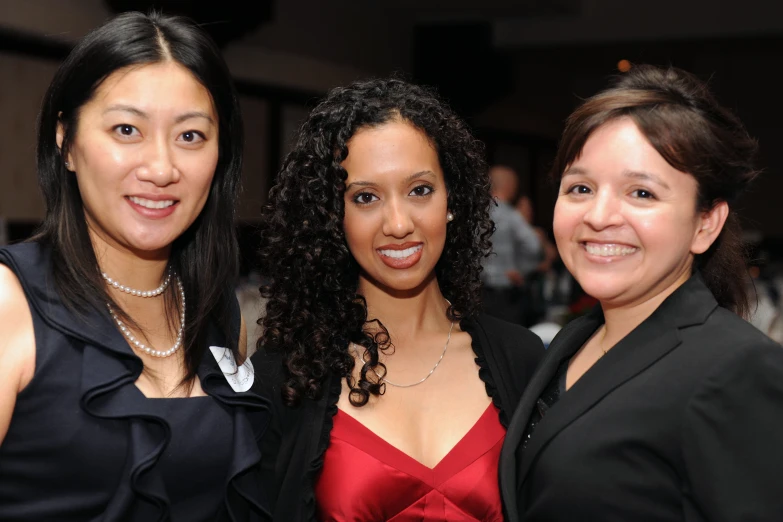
{"x":681,"y":421}
{"x":294,"y":444}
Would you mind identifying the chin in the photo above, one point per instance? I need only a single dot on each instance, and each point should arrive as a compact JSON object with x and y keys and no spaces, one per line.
{"x":150,"y":246}
{"x":603,"y":289}
{"x":400,"y":283}
{"x":402,"y":286}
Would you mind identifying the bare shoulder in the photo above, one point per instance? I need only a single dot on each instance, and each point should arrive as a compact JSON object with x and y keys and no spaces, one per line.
{"x":17,"y":342}
{"x":12,"y":299}
{"x":11,"y":293}
{"x":17,"y":345}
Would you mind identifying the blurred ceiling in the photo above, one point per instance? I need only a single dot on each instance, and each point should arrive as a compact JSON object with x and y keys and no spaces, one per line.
{"x":536,"y":22}
{"x":601,"y":21}
{"x":467,"y":48}
{"x":377,"y":34}
{"x":225,"y":21}
{"x":515,"y":23}
{"x":477,"y":52}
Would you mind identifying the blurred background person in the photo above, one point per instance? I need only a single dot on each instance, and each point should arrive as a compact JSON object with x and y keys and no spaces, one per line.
{"x":765,"y":310}
{"x":548,"y":286}
{"x":516,"y":252}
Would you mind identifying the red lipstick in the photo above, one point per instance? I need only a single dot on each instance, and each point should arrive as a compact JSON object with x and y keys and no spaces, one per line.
{"x":399,"y":259}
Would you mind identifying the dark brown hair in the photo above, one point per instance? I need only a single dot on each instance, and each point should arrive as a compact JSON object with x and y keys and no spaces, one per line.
{"x":681,"y":119}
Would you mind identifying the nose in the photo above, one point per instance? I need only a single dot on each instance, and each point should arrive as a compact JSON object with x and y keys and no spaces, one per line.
{"x":604,"y":211}
{"x":158,"y":164}
{"x":397,"y":221}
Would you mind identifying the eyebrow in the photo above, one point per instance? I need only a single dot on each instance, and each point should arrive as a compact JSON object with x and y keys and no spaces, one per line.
{"x":141,"y":114}
{"x":194,"y":114}
{"x":636,"y":174}
{"x":573,"y":171}
{"x":126,"y":108}
{"x":646,"y":176}
{"x":410,"y":178}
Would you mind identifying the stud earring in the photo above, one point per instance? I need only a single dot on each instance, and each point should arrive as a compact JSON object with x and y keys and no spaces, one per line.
{"x":67,"y":165}
{"x":449,"y":217}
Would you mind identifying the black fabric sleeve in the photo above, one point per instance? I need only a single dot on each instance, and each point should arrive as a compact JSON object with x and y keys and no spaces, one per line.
{"x":292,"y":448}
{"x":268,"y":374}
{"x":507,"y":355}
{"x":733,"y":439}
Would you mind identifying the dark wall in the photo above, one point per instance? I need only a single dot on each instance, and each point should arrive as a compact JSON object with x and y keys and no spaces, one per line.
{"x":743,"y":74}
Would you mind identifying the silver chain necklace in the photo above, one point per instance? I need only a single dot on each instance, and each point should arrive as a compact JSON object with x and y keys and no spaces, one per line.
{"x":387,"y":381}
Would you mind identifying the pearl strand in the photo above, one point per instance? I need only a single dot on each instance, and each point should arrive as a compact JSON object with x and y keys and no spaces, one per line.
{"x":147,"y":349}
{"x":139,"y":293}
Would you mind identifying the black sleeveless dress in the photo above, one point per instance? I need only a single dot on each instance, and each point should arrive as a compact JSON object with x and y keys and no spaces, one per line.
{"x":84,"y":444}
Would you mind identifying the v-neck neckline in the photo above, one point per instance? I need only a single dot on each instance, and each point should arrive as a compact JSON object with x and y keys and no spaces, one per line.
{"x":480,"y":438}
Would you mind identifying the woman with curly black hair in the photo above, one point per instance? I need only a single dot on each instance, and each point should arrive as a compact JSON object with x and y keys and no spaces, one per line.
{"x":391,"y":391}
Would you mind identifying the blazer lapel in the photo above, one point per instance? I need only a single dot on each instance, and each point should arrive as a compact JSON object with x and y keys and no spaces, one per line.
{"x":691,"y":304}
{"x":649,"y":342}
{"x":565,"y":343}
{"x":655,"y":337}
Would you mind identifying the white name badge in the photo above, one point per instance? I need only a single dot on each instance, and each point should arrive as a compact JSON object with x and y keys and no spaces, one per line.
{"x":240,"y":379}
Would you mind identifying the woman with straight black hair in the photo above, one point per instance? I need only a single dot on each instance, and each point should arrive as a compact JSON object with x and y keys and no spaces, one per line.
{"x":662,"y":404}
{"x":124,"y":389}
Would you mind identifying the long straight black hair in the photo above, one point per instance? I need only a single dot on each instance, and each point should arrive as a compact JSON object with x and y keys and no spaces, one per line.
{"x":206,"y":255}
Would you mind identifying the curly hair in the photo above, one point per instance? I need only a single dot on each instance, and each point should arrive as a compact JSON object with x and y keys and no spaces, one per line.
{"x":313,"y":310}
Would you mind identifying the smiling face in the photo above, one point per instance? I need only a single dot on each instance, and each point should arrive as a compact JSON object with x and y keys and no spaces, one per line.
{"x":395,"y":206}
{"x":626,"y":222}
{"x":144,"y":155}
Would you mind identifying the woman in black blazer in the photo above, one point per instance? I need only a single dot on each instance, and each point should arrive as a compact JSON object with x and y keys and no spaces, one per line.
{"x":662,"y":404}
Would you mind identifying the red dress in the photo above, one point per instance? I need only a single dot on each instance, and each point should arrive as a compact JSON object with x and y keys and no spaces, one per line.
{"x":364,"y":478}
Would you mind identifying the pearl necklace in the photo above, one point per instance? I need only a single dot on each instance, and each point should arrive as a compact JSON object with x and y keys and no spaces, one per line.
{"x":139,"y":293}
{"x":148,"y":349}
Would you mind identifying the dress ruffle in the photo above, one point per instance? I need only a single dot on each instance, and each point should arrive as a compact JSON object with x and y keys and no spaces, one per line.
{"x":492,"y":392}
{"x":244,"y":500}
{"x":109,"y":372}
{"x":485,"y":374}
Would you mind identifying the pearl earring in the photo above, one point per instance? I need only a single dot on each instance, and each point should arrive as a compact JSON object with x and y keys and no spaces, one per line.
{"x":67,"y":165}
{"x":449,"y":217}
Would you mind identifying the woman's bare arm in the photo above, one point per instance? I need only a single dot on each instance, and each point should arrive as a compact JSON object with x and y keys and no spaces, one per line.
{"x":17,"y":345}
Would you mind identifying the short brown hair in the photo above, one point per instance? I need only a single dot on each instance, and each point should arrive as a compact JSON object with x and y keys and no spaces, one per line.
{"x":681,"y":119}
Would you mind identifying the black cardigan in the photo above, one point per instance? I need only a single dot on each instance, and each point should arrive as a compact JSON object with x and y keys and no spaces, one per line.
{"x":294,"y":444}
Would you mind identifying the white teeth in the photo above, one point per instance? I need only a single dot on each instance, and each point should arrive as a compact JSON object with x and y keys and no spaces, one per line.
{"x":609,"y":250}
{"x":148,"y":203}
{"x":400,"y":254}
